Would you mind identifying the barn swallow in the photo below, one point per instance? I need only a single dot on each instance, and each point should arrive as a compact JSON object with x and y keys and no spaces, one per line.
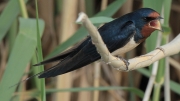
{"x":120,"y":36}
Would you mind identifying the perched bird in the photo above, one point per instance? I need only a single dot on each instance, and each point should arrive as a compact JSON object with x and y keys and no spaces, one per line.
{"x":120,"y":36}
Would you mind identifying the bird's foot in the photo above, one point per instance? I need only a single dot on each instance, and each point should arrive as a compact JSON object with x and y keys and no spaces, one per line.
{"x":160,"y":48}
{"x":125,"y":61}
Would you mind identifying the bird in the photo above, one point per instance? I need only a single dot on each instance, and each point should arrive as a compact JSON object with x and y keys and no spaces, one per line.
{"x":120,"y":36}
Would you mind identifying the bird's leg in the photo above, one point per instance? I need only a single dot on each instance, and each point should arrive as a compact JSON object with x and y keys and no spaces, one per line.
{"x":124,"y":60}
{"x":160,"y":48}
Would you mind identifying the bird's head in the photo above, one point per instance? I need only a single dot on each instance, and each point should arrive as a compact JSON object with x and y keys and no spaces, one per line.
{"x":147,"y":21}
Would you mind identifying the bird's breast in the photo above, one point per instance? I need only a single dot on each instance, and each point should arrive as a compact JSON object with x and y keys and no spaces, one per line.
{"x":129,"y":46}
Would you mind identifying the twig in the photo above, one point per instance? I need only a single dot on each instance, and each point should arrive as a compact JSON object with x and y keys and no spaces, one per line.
{"x":174,"y":63}
{"x":153,"y":74}
{"x":104,"y":4}
{"x":65,"y":30}
{"x":167,"y":82}
{"x":150,"y":82}
{"x":134,"y":63}
{"x":96,"y":80}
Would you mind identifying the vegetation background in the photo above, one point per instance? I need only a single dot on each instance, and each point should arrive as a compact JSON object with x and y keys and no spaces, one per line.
{"x":20,"y":32}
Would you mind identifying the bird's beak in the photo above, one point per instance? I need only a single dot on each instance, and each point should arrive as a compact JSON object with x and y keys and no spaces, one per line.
{"x":155,"y":24}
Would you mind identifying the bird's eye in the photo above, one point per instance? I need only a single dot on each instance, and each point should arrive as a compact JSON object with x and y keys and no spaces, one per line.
{"x":144,"y":18}
{"x":148,"y":18}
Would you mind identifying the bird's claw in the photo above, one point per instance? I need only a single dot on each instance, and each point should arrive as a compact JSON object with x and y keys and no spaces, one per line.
{"x":125,"y":61}
{"x":160,"y":48}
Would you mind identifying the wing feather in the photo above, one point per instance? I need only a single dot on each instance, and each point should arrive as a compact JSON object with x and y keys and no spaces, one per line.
{"x":87,"y":53}
{"x":68,"y":53}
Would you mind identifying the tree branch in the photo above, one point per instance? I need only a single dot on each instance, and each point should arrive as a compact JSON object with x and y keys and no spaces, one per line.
{"x":138,"y":62}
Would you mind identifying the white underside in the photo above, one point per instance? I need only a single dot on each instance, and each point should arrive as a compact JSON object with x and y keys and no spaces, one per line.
{"x":129,"y":46}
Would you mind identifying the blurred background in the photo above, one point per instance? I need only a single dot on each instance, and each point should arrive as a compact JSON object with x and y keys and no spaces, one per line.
{"x":97,"y":81}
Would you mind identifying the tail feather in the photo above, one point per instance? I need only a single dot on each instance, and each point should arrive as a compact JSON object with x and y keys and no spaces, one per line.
{"x":68,"y":53}
{"x":68,"y":64}
{"x":53,"y":59}
{"x":59,"y":57}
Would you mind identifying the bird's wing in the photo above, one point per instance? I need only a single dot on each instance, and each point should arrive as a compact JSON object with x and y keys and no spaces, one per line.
{"x":70,"y":52}
{"x":121,"y":37}
{"x":88,"y":53}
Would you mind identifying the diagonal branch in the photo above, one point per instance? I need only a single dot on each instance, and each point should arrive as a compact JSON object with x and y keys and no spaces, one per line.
{"x":138,"y":62}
